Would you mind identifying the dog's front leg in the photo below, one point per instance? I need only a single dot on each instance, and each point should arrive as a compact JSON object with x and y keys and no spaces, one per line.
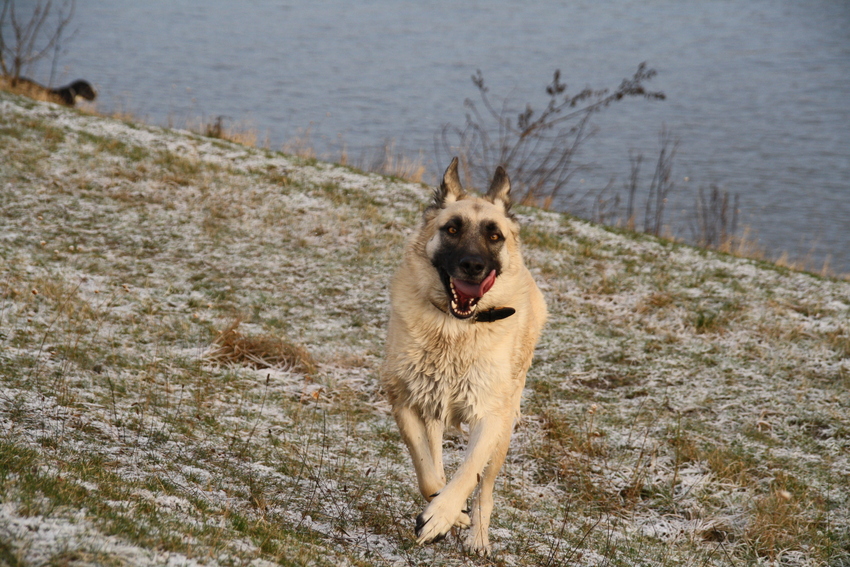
{"x":478,"y":539}
{"x":446,"y":510}
{"x":434,"y":429}
{"x":415,"y":436}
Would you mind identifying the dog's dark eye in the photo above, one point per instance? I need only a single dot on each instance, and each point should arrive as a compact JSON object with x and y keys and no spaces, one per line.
{"x":451,"y":230}
{"x":495,"y":237}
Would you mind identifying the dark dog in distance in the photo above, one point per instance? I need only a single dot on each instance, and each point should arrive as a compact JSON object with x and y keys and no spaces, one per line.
{"x":66,"y":95}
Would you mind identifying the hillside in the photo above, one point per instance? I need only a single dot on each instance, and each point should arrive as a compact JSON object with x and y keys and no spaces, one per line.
{"x":684,"y":407}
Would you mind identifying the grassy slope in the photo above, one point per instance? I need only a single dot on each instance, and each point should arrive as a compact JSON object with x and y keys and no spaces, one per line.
{"x":684,"y":407}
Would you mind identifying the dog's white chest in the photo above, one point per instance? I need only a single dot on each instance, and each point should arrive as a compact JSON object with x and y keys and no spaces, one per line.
{"x":457,"y":382}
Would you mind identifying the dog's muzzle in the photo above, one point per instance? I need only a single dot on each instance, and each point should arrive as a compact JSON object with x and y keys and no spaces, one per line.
{"x":465,"y":295}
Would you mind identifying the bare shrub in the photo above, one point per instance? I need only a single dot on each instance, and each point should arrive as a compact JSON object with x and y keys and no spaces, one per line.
{"x":604,"y":205}
{"x":661,"y":185}
{"x":215,"y":129}
{"x":635,"y":161}
{"x":716,"y":219}
{"x":539,"y":149}
{"x":28,"y":38}
{"x":259,"y":351}
{"x":657,"y":193}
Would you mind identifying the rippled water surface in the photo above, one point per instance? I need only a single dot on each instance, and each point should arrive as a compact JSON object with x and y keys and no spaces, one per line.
{"x":757,"y":90}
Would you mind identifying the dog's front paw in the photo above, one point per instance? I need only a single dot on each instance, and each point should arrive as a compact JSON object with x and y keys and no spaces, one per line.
{"x":437,"y":520}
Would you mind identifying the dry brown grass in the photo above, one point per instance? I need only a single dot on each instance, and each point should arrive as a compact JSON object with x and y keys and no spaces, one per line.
{"x":779,"y":520}
{"x":259,"y":351}
{"x":654,"y":301}
{"x":30,"y":90}
{"x":389,"y":161}
{"x":301,"y":145}
{"x":239,"y":132}
{"x":747,"y":246}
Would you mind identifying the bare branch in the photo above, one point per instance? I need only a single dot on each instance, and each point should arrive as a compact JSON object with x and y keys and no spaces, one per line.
{"x":539,"y":147}
{"x":33,"y":36}
{"x":661,"y":185}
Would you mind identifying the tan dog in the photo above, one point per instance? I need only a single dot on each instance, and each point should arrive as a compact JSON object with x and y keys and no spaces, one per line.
{"x":466,"y":315}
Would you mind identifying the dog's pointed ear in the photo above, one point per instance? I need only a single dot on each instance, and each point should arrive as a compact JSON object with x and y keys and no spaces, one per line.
{"x":450,"y":189}
{"x":500,"y":189}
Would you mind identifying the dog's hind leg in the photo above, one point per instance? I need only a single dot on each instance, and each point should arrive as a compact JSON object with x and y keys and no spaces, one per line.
{"x":415,"y":435}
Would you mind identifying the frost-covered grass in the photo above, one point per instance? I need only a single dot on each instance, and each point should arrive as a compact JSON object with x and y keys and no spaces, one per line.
{"x":684,"y":407}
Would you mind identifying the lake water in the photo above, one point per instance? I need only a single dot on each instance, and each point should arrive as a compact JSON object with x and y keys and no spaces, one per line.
{"x":758,"y":91}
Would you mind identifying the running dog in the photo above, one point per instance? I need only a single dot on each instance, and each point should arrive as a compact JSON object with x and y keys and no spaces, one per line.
{"x":466,"y":315}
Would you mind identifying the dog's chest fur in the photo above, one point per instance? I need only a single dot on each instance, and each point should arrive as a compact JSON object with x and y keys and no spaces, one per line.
{"x":452,"y":373}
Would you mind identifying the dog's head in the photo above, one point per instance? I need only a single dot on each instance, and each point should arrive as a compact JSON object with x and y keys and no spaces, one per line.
{"x":471,"y":239}
{"x":83,"y":89}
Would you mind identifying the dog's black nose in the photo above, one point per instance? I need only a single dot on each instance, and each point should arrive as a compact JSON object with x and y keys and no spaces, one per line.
{"x":473,"y":267}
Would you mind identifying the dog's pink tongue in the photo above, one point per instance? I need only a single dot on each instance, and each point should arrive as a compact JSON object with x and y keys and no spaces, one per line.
{"x":475,"y":290}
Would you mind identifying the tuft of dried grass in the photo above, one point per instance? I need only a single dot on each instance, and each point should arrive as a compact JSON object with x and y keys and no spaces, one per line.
{"x":779,"y":521}
{"x":654,"y":301}
{"x":301,"y":145}
{"x":259,"y":351}
{"x":28,"y":89}
{"x":388,"y":161}
{"x":240,"y":133}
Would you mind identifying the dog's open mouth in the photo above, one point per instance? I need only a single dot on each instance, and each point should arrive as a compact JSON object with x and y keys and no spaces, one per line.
{"x":466,"y":295}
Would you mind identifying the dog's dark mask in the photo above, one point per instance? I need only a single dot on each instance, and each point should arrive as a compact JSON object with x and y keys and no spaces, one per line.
{"x":468,"y":262}
{"x":467,"y":259}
